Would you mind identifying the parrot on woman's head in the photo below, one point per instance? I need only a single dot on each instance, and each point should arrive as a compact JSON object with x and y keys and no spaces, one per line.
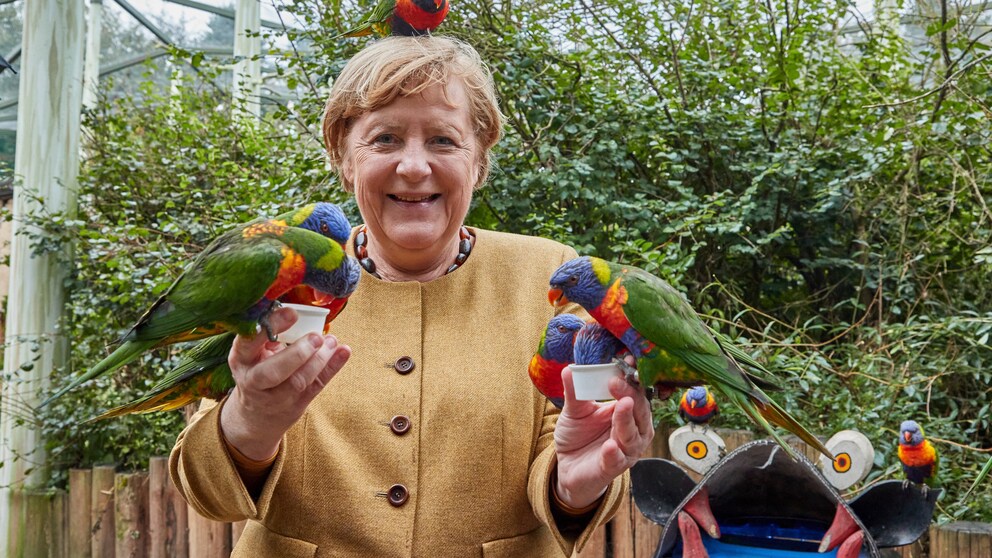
{"x":235,"y":283}
{"x":400,"y":17}
{"x":554,"y":353}
{"x":671,"y":344}
{"x":918,"y":456}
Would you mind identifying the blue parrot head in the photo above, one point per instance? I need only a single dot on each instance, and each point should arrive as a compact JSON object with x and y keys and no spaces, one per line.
{"x":594,"y":344}
{"x":581,"y":281}
{"x":910,"y":433}
{"x":696,"y":397}
{"x":560,"y":336}
{"x":345,"y":278}
{"x":329,"y":220}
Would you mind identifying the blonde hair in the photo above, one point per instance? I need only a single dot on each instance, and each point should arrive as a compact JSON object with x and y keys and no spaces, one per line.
{"x":395,"y":66}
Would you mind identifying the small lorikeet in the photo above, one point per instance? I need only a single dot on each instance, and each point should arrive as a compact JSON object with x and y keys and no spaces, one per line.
{"x":203,"y":370}
{"x":554,"y":353}
{"x":671,"y":344}
{"x":234,"y":284}
{"x":594,"y":344}
{"x":918,"y":456}
{"x":697,"y":406}
{"x":400,"y":17}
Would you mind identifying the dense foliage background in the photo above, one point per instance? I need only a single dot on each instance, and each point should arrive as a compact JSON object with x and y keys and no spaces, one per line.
{"x":822,"y":194}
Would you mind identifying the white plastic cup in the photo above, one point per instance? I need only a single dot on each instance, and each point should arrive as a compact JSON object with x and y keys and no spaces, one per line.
{"x":592,"y":381}
{"x":311,"y":319}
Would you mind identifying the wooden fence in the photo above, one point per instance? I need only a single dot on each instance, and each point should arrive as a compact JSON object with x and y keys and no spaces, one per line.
{"x":106,"y":514}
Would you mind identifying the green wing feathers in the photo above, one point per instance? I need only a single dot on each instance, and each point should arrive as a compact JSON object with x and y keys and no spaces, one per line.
{"x":202,"y":372}
{"x":124,"y":354}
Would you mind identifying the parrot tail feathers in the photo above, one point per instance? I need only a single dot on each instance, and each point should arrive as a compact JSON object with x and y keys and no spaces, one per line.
{"x":162,"y":401}
{"x":753,"y":410}
{"x":774,"y":413}
{"x":121,"y":356}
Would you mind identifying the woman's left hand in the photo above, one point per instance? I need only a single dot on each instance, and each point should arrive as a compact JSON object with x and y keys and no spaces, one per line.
{"x":597,"y":442}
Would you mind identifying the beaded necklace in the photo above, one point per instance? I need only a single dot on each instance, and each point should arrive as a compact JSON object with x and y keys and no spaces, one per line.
{"x":465,"y":243}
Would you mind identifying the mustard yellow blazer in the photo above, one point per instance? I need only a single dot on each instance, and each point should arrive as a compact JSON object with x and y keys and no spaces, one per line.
{"x":431,"y":441}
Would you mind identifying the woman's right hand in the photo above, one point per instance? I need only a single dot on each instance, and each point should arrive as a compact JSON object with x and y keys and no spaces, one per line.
{"x":275,"y":383}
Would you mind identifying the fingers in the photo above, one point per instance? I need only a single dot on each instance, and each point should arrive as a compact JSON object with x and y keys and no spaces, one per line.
{"x":248,"y":350}
{"x":574,"y":407}
{"x":633,"y":426}
{"x":337,"y":361}
{"x":621,"y":389}
{"x":297,"y":366}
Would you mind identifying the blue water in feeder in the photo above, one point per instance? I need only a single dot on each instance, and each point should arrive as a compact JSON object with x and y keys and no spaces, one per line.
{"x":765,"y":538}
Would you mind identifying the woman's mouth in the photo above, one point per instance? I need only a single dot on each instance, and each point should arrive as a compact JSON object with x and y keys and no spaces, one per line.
{"x":413,"y":198}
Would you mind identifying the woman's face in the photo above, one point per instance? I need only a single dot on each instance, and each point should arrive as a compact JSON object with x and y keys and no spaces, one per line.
{"x":413,"y":165}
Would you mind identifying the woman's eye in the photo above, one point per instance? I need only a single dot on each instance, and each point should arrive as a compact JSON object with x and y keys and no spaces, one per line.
{"x":385,"y":138}
{"x":441,"y":140}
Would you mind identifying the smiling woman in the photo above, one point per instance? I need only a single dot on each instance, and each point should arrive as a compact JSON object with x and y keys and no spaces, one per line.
{"x":432,"y":441}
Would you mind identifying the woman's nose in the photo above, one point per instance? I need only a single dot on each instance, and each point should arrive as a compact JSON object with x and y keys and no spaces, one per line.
{"x":414,"y":163}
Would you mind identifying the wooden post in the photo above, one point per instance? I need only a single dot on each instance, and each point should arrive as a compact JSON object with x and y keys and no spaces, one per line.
{"x":208,"y":538}
{"x":735,"y":438}
{"x":961,"y":539}
{"x":914,"y":550}
{"x":131,"y":515}
{"x":47,"y":161}
{"x":623,"y":532}
{"x":102,"y":543}
{"x":595,"y":546}
{"x":647,"y":533}
{"x":80,"y":497}
{"x":44,"y":513}
{"x":167,"y":520}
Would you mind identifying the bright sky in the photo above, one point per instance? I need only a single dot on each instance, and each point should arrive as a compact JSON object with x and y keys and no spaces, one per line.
{"x":194,"y":20}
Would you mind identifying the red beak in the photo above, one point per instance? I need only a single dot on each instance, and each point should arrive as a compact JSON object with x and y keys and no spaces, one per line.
{"x":557,"y":297}
{"x":907,"y":436}
{"x":321,"y":298}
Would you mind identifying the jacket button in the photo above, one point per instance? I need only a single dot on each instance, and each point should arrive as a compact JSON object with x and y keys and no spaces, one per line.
{"x":400,"y":424}
{"x":404,"y":365}
{"x":398,"y":495}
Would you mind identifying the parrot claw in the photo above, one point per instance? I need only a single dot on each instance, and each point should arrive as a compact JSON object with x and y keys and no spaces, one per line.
{"x":629,"y":372}
{"x":263,"y":321}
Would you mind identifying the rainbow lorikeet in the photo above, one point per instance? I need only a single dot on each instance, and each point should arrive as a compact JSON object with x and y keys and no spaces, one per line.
{"x":594,"y":344}
{"x":554,"y":353}
{"x":918,"y":456}
{"x":234,"y":284}
{"x":697,"y":406}
{"x":203,"y":370}
{"x":400,"y":17}
{"x":671,"y":344}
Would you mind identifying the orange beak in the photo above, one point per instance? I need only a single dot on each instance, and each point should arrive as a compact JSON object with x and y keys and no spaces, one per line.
{"x":692,"y":404}
{"x":557,"y":297}
{"x":907,"y":436}
{"x":437,"y":3}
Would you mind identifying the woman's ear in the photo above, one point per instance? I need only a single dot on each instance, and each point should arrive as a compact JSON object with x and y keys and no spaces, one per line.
{"x":347,"y":172}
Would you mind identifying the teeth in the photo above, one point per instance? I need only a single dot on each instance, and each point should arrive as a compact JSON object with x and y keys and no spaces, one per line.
{"x":420,"y":199}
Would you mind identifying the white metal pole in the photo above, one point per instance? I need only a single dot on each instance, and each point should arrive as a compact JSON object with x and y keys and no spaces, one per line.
{"x":91,"y":62}
{"x":247,"y":66}
{"x":46,"y":165}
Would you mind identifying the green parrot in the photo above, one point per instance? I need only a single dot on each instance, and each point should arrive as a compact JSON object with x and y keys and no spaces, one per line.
{"x":233,"y":285}
{"x":671,"y":344}
{"x":203,"y":370}
{"x":400,"y":17}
